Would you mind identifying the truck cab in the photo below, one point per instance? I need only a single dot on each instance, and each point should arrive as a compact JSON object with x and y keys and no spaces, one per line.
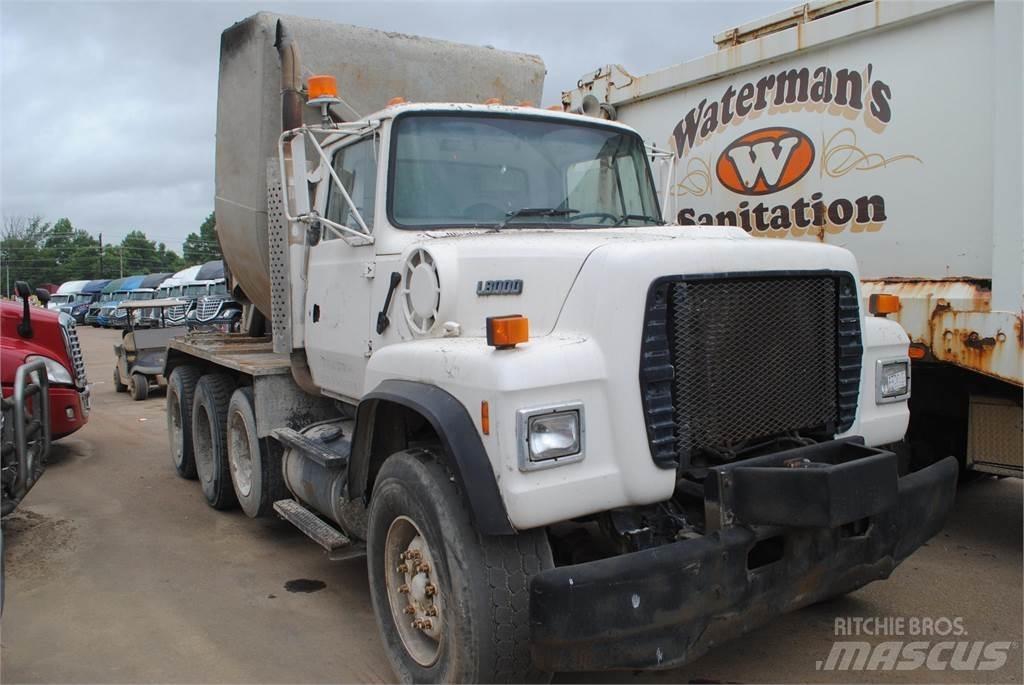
{"x":52,"y":338}
{"x":65,"y":294}
{"x":567,"y":434}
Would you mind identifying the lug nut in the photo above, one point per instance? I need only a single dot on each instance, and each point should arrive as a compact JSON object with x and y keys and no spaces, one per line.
{"x":430,"y":590}
{"x":431,"y":611}
{"x":426,"y":624}
{"x":410,"y":610}
{"x":403,"y":568}
{"x":403,"y":588}
{"x":423,"y":567}
{"x":418,"y":623}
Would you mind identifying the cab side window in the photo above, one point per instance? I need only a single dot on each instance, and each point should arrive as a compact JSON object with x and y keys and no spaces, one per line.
{"x":356,"y":166}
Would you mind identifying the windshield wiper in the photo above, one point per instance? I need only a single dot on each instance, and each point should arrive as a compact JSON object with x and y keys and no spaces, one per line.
{"x":639,"y":217}
{"x":535,"y":211}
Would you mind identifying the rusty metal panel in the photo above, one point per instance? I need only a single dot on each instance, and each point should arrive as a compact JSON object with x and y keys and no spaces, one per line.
{"x":954,"y":320}
{"x":994,"y":434}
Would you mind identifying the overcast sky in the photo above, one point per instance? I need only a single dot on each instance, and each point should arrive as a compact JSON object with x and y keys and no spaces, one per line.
{"x":107,"y":110}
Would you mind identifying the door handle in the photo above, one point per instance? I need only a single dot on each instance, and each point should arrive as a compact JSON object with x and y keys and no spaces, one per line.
{"x":382,"y":316}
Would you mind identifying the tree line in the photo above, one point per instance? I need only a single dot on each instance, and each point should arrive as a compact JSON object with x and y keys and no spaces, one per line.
{"x":39,"y":252}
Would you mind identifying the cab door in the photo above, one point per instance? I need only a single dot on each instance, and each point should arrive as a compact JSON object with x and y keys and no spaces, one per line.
{"x":338,"y":290}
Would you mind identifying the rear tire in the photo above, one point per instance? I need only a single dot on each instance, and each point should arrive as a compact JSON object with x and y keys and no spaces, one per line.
{"x":119,"y":385}
{"x":181,"y":389}
{"x":139,"y":387}
{"x":255,"y":463}
{"x":479,"y":630}
{"x":209,"y":439}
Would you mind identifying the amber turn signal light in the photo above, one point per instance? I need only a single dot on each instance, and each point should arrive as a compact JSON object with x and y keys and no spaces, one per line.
{"x":917,"y":351}
{"x":485,"y":417}
{"x":881,"y":304}
{"x":504,"y":332}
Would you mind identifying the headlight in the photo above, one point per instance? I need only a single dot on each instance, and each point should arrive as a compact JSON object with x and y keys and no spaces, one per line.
{"x":120,"y":312}
{"x":550,"y":436}
{"x":55,"y":371}
{"x":892,"y":378}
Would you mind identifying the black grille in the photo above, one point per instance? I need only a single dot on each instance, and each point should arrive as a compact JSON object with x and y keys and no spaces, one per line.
{"x":729,"y":360}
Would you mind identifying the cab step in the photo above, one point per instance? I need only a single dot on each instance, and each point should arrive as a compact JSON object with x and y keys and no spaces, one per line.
{"x":336,"y":543}
{"x":333,"y":455}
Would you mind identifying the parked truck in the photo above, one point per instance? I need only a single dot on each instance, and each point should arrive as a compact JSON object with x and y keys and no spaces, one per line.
{"x":565,"y":434}
{"x":892,"y":129}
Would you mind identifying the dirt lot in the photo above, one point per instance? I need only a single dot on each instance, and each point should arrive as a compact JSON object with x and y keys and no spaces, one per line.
{"x":118,"y":572}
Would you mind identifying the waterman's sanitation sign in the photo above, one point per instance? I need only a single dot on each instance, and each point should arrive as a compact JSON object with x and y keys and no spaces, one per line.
{"x":760,"y":172}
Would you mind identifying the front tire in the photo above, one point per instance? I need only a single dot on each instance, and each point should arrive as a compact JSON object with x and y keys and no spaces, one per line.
{"x":209,"y":439}
{"x":255,"y":464}
{"x":452,"y":604}
{"x":119,"y":385}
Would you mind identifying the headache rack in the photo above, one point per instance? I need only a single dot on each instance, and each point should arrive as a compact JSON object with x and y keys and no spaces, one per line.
{"x":732,"y":360}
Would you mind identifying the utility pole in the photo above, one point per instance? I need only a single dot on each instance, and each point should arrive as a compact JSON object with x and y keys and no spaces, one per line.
{"x":101,"y":255}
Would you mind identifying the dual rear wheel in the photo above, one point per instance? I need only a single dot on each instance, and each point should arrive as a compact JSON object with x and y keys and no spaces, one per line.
{"x":211,"y":423}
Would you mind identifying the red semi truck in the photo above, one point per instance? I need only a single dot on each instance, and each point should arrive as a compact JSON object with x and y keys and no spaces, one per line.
{"x":35,"y":342}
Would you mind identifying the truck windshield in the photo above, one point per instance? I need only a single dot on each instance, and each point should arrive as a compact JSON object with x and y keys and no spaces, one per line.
{"x":500,"y":171}
{"x":219,"y":289}
{"x":60,"y":299}
{"x":141,"y":296}
{"x":81,"y":298}
{"x":195,"y":290}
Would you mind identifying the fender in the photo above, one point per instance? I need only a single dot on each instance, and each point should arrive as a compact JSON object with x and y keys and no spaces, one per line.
{"x":462,"y":449}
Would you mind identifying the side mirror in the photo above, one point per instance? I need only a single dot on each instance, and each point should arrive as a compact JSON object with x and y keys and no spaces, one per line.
{"x":43,"y":294}
{"x":24,"y":292}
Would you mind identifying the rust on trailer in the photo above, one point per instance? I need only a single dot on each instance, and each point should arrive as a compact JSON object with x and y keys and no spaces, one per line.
{"x":954,"y":321}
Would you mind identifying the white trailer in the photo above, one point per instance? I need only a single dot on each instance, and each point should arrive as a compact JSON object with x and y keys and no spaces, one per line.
{"x":892,"y":129}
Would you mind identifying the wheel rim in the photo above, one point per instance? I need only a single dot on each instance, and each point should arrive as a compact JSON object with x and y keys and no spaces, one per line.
{"x":177,"y":434}
{"x":413,"y":590}
{"x":203,"y":445}
{"x":240,"y":455}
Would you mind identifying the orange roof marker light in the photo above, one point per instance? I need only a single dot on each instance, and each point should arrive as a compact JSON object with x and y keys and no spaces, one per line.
{"x":882,"y":304}
{"x":322,"y":88}
{"x":525,"y":103}
{"x":556,"y":108}
{"x":492,"y":101}
{"x":505,"y":332}
{"x":399,"y":100}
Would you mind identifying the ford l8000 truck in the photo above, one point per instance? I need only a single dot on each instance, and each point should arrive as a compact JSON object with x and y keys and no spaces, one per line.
{"x":566,"y":433}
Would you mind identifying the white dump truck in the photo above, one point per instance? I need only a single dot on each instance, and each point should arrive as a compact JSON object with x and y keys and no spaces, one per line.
{"x":893,"y":129}
{"x":566,"y":434}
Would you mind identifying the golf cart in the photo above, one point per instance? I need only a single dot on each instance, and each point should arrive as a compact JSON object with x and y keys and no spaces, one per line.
{"x":141,"y":354}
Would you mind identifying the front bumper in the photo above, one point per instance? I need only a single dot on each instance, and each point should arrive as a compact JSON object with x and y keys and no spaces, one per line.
{"x":665,"y":606}
{"x":69,"y":410}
